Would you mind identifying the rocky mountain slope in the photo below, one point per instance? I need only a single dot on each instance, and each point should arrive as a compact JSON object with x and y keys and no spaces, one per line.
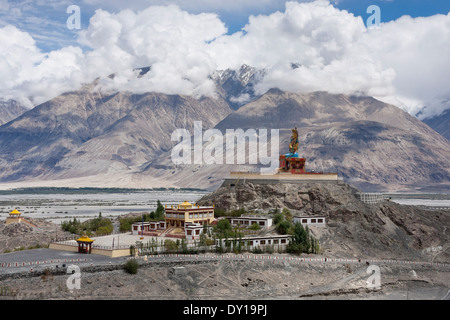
{"x":108,"y":139}
{"x":353,"y":227}
{"x":440,"y":123}
{"x":23,"y":236}
{"x":10,"y":110}
{"x":373,"y":145}
{"x":86,"y":132}
{"x":237,"y":87}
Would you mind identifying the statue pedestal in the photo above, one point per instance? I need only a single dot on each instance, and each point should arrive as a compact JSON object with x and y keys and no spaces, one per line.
{"x":293,"y":165}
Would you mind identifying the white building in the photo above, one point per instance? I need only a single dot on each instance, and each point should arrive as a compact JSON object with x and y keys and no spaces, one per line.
{"x":248,"y":221}
{"x":310,"y":221}
{"x":193,"y":231}
{"x":148,"y":227}
{"x":251,"y":242}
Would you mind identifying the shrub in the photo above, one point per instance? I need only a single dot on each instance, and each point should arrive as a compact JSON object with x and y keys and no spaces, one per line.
{"x":98,"y":225}
{"x":170,"y":245}
{"x":255,"y":226}
{"x":287,"y":214}
{"x":131,"y":266}
{"x":219,"y":212}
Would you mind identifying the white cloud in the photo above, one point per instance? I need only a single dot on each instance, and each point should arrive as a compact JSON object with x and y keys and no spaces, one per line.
{"x":173,"y":42}
{"x":170,"y":40}
{"x":405,"y":61}
{"x":418,"y":49}
{"x":324,"y":42}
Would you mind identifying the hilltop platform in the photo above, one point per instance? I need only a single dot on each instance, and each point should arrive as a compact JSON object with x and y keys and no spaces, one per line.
{"x":282,"y":177}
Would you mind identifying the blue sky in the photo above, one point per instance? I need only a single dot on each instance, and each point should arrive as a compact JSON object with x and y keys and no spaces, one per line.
{"x":46,"y":20}
{"x":393,"y":9}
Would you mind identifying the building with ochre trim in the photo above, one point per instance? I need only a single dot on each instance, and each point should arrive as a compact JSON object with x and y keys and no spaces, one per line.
{"x":187,"y":213}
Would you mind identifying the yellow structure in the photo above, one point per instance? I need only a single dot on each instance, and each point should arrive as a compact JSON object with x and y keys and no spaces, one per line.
{"x":186,"y":213}
{"x":14,"y":217}
{"x":84,"y":244}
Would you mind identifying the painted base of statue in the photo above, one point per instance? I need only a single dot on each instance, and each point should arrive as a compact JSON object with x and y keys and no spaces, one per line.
{"x":291,"y":162}
{"x":292,"y":155}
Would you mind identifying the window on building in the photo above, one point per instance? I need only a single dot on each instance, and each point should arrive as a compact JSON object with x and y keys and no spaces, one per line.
{"x":320,"y":220}
{"x":304,"y":221}
{"x":313,"y":220}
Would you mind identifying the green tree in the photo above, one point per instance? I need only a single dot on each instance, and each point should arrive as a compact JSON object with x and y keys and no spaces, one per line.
{"x":302,"y":241}
{"x":239,"y":246}
{"x":223,"y":226}
{"x":170,"y":245}
{"x":160,"y":211}
{"x":184,"y":248}
{"x":283,"y":227}
{"x":287,"y":214}
{"x":277,"y":218}
{"x":255,"y":226}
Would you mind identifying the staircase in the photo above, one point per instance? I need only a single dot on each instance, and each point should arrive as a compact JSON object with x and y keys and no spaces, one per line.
{"x":168,"y":230}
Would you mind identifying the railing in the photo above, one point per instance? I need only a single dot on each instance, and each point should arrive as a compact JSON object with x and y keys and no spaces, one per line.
{"x":433,"y":207}
{"x":118,"y":247}
{"x":371,"y":198}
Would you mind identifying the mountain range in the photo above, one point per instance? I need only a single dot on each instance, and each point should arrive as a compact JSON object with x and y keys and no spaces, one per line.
{"x":108,"y":139}
{"x":440,"y":123}
{"x":9,"y":110}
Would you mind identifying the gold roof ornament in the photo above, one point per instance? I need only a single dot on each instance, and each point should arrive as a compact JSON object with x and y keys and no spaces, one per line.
{"x":185,"y":205}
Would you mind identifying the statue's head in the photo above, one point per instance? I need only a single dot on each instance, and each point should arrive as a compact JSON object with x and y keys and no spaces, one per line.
{"x":295,"y":132}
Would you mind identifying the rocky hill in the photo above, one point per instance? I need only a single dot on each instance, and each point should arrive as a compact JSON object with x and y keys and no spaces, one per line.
{"x":17,"y":236}
{"x":384,"y":230}
{"x":440,"y":123}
